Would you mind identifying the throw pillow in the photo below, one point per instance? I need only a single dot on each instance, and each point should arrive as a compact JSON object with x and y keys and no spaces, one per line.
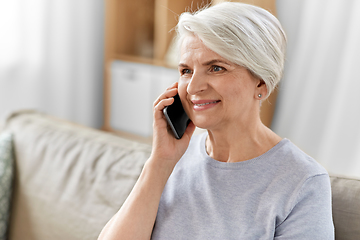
{"x":6,"y":179}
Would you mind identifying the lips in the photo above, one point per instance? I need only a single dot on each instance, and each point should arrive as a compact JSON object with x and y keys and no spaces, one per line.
{"x":204,"y":104}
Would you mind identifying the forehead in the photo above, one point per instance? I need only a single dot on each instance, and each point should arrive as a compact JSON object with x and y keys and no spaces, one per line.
{"x":192,"y":48}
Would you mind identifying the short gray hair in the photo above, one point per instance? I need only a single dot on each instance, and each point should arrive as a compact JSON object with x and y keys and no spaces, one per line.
{"x":241,"y":33}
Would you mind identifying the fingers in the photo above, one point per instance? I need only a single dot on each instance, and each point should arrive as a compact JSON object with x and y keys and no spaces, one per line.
{"x":169,"y":93}
{"x":165,"y":99}
{"x":174,"y":85}
{"x":161,"y":105}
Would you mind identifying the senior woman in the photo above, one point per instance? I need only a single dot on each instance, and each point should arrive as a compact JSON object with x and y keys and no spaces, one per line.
{"x":239,"y":180}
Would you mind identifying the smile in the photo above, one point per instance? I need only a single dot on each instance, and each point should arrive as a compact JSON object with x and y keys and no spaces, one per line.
{"x":203,"y":104}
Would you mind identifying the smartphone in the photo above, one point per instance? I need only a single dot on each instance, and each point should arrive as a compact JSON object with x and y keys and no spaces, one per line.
{"x":176,"y":117}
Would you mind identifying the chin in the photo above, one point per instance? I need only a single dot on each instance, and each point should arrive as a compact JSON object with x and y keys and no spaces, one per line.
{"x":203,"y":123}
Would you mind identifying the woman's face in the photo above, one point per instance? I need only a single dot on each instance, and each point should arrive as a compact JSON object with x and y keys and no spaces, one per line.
{"x":214,"y":91}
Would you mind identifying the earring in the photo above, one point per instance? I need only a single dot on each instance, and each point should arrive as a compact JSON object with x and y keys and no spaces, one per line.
{"x":260,"y":95}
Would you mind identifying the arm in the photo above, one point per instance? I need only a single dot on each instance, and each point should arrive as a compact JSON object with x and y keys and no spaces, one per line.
{"x":136,"y":217}
{"x":311,"y":217}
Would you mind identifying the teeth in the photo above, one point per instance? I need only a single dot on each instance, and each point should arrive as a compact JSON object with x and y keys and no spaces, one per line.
{"x":203,"y":104}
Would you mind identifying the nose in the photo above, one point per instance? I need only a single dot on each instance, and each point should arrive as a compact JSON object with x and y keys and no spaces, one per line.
{"x":197,"y":84}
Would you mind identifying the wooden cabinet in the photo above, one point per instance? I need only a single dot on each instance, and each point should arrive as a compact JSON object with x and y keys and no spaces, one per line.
{"x":140,"y":31}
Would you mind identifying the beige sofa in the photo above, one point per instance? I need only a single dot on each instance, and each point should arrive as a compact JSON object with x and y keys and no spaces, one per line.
{"x":70,"y":180}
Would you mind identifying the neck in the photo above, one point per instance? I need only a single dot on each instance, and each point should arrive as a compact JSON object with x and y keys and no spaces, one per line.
{"x":240,"y":143}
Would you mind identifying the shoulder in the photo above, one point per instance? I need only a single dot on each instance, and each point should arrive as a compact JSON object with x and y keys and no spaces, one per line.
{"x":307,"y":176}
{"x":308,"y":185}
{"x":293,"y":159}
{"x":297,"y":173}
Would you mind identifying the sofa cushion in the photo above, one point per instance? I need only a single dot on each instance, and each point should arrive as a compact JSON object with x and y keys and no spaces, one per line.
{"x":6,"y":179}
{"x":346,"y":207}
{"x":70,"y":180}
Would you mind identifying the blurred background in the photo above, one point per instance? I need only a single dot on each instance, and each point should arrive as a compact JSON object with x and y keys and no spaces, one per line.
{"x":52,"y":60}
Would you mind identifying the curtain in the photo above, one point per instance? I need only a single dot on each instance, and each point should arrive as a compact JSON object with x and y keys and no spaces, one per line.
{"x":51,"y":56}
{"x":318,"y":106}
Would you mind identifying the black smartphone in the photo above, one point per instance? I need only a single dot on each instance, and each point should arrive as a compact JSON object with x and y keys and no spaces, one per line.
{"x":177,"y":117}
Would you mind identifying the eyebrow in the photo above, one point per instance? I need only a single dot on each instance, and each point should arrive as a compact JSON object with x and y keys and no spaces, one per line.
{"x":183,"y":65}
{"x":211,"y":62}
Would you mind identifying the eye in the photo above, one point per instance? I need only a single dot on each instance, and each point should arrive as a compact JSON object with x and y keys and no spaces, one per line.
{"x":185,"y":71}
{"x":216,"y":68}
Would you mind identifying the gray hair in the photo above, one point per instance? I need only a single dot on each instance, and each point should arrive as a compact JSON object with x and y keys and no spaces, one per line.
{"x":241,"y":33}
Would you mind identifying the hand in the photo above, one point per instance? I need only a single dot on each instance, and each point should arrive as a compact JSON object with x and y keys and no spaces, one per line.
{"x":136,"y":217}
{"x":166,"y":147}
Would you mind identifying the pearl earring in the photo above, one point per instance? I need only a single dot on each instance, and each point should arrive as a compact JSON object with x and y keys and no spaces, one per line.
{"x":259,"y":95}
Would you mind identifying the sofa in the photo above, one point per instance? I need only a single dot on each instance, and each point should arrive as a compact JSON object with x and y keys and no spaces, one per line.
{"x":69,"y":180}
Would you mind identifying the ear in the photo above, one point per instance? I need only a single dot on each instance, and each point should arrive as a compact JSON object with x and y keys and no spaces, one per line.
{"x":261,"y":89}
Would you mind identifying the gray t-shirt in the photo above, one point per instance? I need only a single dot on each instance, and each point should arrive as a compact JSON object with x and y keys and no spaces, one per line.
{"x":282,"y":194}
